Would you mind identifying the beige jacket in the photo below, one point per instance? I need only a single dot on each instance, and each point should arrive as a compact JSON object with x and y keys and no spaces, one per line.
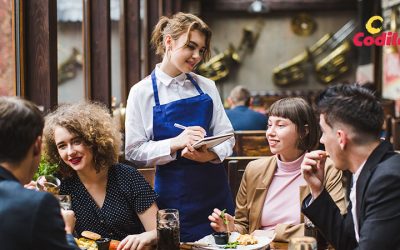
{"x":253,"y":190}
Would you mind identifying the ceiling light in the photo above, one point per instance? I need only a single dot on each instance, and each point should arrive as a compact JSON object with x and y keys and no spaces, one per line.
{"x":258,"y":6}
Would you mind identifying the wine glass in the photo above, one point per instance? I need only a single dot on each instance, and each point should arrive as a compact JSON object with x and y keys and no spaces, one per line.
{"x":65,"y":201}
{"x":48,"y":183}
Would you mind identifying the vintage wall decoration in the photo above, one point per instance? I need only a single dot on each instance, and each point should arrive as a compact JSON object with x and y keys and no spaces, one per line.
{"x":303,"y":24}
{"x":69,"y":68}
{"x":328,"y":56}
{"x":218,"y":67}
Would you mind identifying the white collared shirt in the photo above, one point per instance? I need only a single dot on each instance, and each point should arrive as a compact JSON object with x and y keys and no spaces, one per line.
{"x":354,"y":200}
{"x":140,"y":146}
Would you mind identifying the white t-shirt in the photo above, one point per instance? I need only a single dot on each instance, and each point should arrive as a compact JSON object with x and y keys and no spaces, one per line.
{"x":353,"y":195}
{"x":139,"y":138}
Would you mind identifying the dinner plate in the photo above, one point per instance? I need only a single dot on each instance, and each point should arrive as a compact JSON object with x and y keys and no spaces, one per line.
{"x":263,"y":242}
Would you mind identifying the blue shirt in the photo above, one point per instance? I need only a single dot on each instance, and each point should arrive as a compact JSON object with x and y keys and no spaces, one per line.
{"x":243,"y":118}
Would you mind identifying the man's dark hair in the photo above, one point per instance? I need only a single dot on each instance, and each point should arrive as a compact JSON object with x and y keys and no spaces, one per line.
{"x":21,"y":123}
{"x":355,"y":106}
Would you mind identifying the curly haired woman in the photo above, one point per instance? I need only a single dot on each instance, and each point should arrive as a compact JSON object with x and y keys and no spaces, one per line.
{"x":108,"y":198}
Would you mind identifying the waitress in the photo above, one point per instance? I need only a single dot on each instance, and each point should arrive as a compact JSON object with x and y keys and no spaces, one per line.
{"x":192,"y":181}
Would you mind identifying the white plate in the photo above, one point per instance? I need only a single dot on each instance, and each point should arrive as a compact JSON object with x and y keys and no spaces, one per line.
{"x":263,"y":242}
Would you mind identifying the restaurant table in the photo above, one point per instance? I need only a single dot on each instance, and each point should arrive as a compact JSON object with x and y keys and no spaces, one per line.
{"x":278,"y":246}
{"x":273,"y":246}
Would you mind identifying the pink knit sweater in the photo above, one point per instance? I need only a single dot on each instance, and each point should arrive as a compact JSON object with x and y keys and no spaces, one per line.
{"x":282,"y":204}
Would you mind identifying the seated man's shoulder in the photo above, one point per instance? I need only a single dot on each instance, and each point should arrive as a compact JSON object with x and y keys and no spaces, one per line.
{"x":17,"y":193}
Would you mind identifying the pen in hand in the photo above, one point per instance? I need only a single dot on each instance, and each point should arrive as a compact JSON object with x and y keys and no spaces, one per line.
{"x":177,"y":125}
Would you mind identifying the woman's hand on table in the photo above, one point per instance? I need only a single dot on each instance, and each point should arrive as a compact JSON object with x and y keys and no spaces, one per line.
{"x":138,"y":241}
{"x":200,"y":155}
{"x":217,"y":222}
{"x":187,"y":138}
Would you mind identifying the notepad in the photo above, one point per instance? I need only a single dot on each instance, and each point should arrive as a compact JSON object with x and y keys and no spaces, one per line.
{"x":212,"y":141}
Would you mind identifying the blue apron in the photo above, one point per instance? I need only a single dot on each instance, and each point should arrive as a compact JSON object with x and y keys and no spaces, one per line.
{"x":193,"y":188}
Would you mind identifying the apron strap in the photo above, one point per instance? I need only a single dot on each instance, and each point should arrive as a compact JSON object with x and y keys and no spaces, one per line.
{"x":194,"y":83}
{"x":155,"y":90}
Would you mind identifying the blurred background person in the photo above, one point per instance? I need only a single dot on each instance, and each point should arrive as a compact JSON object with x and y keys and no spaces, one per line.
{"x":240,"y":115}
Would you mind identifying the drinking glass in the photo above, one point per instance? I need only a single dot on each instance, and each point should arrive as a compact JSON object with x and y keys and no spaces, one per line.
{"x":302,"y":243}
{"x":168,"y":229}
{"x":48,"y":183}
{"x":65,"y":201}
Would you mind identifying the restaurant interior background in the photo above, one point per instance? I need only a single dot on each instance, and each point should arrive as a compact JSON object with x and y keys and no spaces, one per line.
{"x":69,"y":50}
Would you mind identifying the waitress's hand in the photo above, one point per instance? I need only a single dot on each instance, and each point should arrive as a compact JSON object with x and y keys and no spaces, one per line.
{"x":187,"y":138}
{"x":139,"y":241}
{"x":218,"y":224}
{"x":201,"y":154}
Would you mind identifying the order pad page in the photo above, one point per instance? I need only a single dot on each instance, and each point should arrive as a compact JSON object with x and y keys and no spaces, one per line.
{"x":212,"y":141}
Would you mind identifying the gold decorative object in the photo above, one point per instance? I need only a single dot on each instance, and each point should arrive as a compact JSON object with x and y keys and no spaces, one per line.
{"x":294,"y":70}
{"x":393,"y":28}
{"x":118,"y":113}
{"x":303,"y":24}
{"x":68,"y":69}
{"x":218,"y":67}
{"x":333,"y":48}
{"x":334,"y":64}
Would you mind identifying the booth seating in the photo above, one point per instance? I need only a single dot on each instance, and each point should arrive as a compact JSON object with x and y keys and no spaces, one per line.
{"x":236,"y":166}
{"x":251,"y":143}
{"x":149,"y":174}
{"x":395,"y":132}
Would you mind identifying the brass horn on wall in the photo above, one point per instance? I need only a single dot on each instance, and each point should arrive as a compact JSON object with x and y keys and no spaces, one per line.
{"x":329,"y":57}
{"x":218,"y":67}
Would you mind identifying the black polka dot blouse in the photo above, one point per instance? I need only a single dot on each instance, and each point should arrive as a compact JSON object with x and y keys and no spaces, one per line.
{"x":127,"y":194}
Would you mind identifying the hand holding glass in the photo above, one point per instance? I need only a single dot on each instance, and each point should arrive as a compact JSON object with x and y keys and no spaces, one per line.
{"x":48,"y":183}
{"x":65,"y":201}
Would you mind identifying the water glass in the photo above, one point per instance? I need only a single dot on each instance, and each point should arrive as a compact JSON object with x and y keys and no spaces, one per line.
{"x":302,"y":243}
{"x":168,"y":229}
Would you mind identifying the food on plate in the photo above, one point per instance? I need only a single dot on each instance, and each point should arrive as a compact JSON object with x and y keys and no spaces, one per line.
{"x":91,"y":235}
{"x":246,"y":239}
{"x":85,"y":243}
{"x":114,"y":244}
{"x":231,"y":245}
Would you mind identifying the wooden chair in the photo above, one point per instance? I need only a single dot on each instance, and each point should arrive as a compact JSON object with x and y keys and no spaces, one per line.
{"x":235,"y":167}
{"x":251,"y":143}
{"x":149,"y":174}
{"x":388,"y":107}
{"x":396,"y":133}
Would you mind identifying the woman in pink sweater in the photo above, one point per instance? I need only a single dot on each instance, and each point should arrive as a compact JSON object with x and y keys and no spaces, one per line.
{"x":272,"y":188}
